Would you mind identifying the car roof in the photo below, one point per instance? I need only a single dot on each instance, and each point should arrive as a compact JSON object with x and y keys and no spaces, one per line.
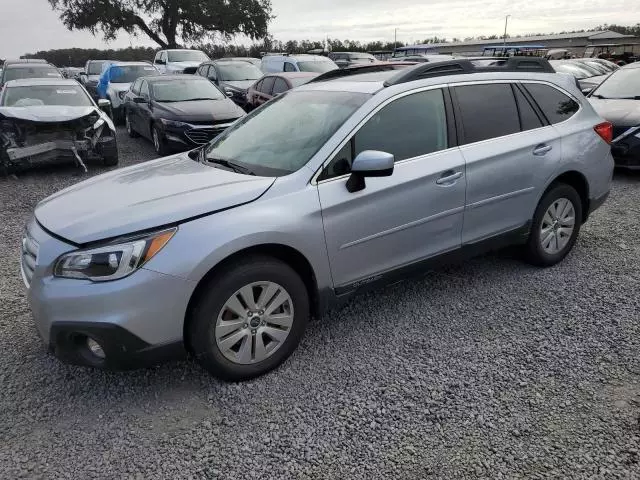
{"x":292,"y":74}
{"x":156,"y":78}
{"x":32,"y":82}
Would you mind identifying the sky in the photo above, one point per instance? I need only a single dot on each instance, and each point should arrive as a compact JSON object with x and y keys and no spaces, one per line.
{"x":30,"y":25}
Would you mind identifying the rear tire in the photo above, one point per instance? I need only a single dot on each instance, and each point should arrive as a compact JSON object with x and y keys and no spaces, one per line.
{"x":274,"y":305}
{"x":556,"y":225}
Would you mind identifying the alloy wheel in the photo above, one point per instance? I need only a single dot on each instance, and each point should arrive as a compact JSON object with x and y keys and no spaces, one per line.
{"x":254,"y":322}
{"x":557,"y":226}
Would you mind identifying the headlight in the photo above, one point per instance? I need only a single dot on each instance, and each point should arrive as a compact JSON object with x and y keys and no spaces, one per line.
{"x":122,"y":94}
{"x":112,"y":262}
{"x":172,"y":123}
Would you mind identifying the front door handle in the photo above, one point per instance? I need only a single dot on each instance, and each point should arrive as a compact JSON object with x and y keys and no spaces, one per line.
{"x":449,"y":178}
{"x":542,"y":149}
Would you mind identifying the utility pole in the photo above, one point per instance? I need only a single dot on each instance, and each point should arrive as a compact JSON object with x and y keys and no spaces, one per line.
{"x":504,"y":39}
{"x":395,"y":38}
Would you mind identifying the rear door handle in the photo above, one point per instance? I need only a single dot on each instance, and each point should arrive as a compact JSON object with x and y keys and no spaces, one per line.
{"x":542,"y":149}
{"x":449,"y":177}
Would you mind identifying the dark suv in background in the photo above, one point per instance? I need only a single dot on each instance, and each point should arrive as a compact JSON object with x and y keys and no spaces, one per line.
{"x":234,"y":77}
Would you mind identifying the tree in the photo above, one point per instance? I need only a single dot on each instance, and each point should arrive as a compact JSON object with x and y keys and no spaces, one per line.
{"x":167,"y":21}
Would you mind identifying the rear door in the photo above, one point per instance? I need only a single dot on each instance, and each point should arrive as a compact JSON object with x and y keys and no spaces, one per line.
{"x":395,"y":221}
{"x":509,"y":148}
{"x":131,"y":107}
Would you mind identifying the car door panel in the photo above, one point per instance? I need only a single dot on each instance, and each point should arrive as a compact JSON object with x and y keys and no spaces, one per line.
{"x":395,"y":220}
{"x":504,"y":180}
{"x":412,"y":215}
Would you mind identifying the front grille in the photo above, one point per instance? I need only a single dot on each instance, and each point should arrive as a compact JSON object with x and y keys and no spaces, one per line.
{"x":200,"y":136}
{"x":29,"y":256}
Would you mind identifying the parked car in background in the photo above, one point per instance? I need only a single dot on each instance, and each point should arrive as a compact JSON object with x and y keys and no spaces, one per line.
{"x":233,"y":77}
{"x":587,"y":77}
{"x":45,"y":119}
{"x":15,"y":70}
{"x":275,"y":84}
{"x":612,"y":67}
{"x":347,"y":59}
{"x":617,"y":100}
{"x":179,"y":61}
{"x":71,"y":72}
{"x":254,"y":61}
{"x":330,"y":189}
{"x":297,"y":63}
{"x":177,"y":112}
{"x":91,"y":75}
{"x":115,"y":80}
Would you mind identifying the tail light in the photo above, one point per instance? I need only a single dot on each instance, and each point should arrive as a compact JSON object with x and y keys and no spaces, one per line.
{"x":605,"y":130}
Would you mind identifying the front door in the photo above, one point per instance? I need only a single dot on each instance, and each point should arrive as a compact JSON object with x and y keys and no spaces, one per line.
{"x":143,"y":117}
{"x":399,"y":220}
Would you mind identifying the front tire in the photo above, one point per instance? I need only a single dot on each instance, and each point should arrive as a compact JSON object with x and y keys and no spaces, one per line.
{"x":250,"y":318}
{"x":159,"y":145}
{"x":127,"y":123}
{"x":556,"y":225}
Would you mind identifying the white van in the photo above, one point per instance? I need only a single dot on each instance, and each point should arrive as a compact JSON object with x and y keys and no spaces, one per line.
{"x":297,"y":63}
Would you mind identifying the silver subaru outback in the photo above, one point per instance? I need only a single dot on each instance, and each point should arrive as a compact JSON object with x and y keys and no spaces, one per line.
{"x":355,"y":179}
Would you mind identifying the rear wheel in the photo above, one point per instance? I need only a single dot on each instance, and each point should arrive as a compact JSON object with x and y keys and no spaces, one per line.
{"x":250,"y":319}
{"x":556,"y":225}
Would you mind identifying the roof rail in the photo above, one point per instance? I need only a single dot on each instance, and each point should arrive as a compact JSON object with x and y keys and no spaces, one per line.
{"x":359,"y":69}
{"x":462,"y":66}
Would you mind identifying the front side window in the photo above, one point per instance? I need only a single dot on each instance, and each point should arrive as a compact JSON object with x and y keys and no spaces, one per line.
{"x":144,"y":90}
{"x":135,"y":88}
{"x":555,"y":105}
{"x":38,"y":95}
{"x":283,"y":135}
{"x":488,"y":111}
{"x":409,"y":127}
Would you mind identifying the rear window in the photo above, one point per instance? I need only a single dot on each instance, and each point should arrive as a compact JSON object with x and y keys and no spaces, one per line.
{"x":555,"y":105}
{"x":35,"y":71}
{"x":488,"y":111}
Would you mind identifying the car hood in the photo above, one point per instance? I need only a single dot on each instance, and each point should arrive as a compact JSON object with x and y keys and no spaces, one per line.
{"x":239,"y":84}
{"x":144,"y":196}
{"x":47,"y":113}
{"x":200,"y":111}
{"x":620,"y":112}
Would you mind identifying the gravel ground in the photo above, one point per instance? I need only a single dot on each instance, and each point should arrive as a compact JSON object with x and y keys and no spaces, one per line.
{"x":492,"y":369}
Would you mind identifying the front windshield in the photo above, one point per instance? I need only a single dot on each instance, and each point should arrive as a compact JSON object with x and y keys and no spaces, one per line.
{"x":187,"y":56}
{"x":95,"y":68}
{"x":318,"y":67}
{"x":236,"y":71}
{"x":130,"y":73}
{"x":283,"y":135}
{"x":623,"y":83}
{"x":601,"y":69}
{"x":185,"y":90}
{"x":35,"y":71}
{"x":589,"y":68}
{"x":572,"y":69}
{"x":39,"y":95}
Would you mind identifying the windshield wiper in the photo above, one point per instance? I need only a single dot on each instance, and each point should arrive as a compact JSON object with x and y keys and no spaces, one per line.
{"x":637,"y":97}
{"x":228,"y":164}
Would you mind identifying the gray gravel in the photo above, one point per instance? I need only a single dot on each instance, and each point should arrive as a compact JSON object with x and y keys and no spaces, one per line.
{"x":492,"y":369}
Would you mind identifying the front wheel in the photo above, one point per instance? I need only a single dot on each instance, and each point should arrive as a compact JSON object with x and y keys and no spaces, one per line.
{"x":250,"y":318}
{"x":159,"y":144}
{"x":127,"y":123}
{"x":555,"y":228}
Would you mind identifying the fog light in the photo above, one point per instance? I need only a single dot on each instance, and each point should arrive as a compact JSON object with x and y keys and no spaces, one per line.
{"x":95,"y":348}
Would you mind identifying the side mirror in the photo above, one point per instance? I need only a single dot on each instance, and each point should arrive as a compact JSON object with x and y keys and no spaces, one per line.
{"x":104,"y":104}
{"x":370,"y":163}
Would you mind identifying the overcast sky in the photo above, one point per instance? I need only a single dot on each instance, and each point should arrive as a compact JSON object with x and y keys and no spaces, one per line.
{"x":30,"y":25}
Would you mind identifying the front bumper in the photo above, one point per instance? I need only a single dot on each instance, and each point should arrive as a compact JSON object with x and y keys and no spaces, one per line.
{"x":137,"y":320}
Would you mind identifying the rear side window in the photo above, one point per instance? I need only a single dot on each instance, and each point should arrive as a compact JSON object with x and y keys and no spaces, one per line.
{"x":288,"y":67}
{"x":488,"y":111}
{"x":555,"y":105}
{"x":528,"y":117}
{"x":280,"y":86}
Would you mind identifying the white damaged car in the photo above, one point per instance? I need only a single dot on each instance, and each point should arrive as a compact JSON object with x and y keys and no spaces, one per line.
{"x":44,"y":119}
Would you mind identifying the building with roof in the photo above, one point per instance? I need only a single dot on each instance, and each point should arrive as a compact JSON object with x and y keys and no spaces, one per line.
{"x":574,"y":42}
